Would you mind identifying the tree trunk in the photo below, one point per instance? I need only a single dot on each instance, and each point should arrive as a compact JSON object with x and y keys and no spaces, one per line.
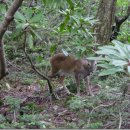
{"x":3,"y":71}
{"x":3,"y":27}
{"x":105,"y":16}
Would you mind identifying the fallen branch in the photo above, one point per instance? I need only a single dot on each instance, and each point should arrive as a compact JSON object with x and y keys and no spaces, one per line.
{"x":13,"y":65}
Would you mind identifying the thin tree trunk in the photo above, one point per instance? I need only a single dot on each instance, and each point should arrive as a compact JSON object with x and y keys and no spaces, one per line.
{"x":3,"y":27}
{"x":3,"y":71}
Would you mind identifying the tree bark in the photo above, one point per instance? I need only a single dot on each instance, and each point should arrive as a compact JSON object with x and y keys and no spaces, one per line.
{"x":3,"y":27}
{"x":105,"y":16}
{"x":3,"y":71}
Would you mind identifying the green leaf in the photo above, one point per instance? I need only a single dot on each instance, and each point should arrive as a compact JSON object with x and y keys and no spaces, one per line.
{"x":20,"y":26}
{"x":28,"y":12}
{"x":35,"y":33}
{"x":19,"y":16}
{"x":107,"y":51}
{"x":127,"y":48}
{"x":96,"y":58}
{"x":30,"y":40}
{"x":107,"y":47}
{"x":71,"y":4}
{"x":74,"y":18}
{"x":80,"y":48}
{"x":105,"y":65}
{"x":110,"y":52}
{"x":110,"y":71}
{"x":39,"y":58}
{"x":53,"y":48}
{"x":117,"y":57}
{"x":128,"y":69}
{"x":120,"y":47}
{"x":87,"y":31}
{"x":119,"y":62}
{"x":62,"y":26}
{"x":37,"y":18}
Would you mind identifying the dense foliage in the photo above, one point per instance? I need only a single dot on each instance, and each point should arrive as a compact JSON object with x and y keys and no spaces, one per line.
{"x":52,"y":26}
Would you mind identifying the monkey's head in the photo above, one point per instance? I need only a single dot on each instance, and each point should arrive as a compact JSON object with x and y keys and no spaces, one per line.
{"x":90,"y":66}
{"x":87,"y":67}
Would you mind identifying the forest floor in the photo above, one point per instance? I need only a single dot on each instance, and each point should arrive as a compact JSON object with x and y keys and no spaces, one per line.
{"x":18,"y":100}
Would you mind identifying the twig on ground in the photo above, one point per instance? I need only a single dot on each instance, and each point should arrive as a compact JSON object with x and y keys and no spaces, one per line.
{"x":120,"y":120}
{"x":13,"y":65}
{"x":97,"y":108}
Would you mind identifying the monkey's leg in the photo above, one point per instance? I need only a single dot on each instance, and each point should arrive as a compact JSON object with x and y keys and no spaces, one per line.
{"x":88,"y":86}
{"x":77,"y":84}
{"x":61,"y":80}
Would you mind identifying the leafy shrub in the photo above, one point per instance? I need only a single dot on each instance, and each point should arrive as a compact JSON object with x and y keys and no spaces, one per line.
{"x":114,"y":58}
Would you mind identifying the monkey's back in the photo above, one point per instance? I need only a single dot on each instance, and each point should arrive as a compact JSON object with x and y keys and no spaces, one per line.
{"x":64,"y":63}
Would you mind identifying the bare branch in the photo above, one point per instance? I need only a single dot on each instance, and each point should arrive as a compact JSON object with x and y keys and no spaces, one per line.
{"x":118,"y":23}
{"x":34,"y":68}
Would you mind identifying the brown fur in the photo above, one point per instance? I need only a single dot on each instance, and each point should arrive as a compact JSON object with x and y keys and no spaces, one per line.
{"x":61,"y":64}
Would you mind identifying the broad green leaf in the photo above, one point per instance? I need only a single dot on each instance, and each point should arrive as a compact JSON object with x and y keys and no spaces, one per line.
{"x":105,"y":65}
{"x":107,"y":47}
{"x":123,"y":49}
{"x":120,"y":47}
{"x":35,"y":33}
{"x":118,"y":43}
{"x":37,"y":18}
{"x":128,"y":51}
{"x":128,"y":69}
{"x":20,"y":26}
{"x":19,"y":16}
{"x":107,"y":52}
{"x":115,"y":57}
{"x":110,"y":71}
{"x":28,"y":12}
{"x":96,"y":58}
{"x":119,"y":62}
{"x":30,"y":40}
